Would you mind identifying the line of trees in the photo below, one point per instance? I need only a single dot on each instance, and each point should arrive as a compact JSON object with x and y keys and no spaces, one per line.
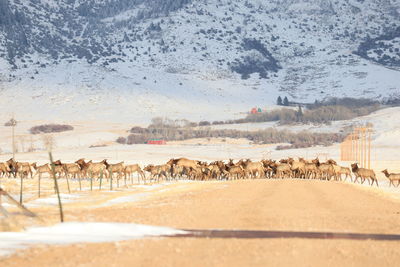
{"x":326,"y":111}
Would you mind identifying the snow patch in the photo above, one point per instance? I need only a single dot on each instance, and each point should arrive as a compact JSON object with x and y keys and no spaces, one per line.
{"x":79,"y":232}
{"x":125,"y":199}
{"x":53,"y":200}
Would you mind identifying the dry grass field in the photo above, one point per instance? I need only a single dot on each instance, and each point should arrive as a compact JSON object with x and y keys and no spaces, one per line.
{"x":283,"y":205}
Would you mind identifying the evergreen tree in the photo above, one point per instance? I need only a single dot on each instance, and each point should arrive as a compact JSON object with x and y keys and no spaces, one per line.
{"x":126,"y":38}
{"x":286,"y":101}
{"x":279,"y":101}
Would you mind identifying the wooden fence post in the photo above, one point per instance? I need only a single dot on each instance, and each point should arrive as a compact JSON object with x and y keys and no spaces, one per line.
{"x":21,"y":190}
{"x":101,"y":179}
{"x":111,"y":178}
{"x":56,"y":187}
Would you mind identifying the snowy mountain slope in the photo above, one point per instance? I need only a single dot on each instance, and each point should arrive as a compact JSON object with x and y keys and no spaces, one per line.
{"x":205,"y":59}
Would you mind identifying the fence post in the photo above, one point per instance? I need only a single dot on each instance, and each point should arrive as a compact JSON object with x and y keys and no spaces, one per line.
{"x":101,"y":178}
{"x":111,"y":177}
{"x":56,"y":187}
{"x":91,"y":182}
{"x":357,"y":146}
{"x":21,"y":190}
{"x":369,"y":148}
{"x":39,"y":185}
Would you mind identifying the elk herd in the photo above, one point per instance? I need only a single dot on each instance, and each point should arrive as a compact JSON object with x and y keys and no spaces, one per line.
{"x":78,"y":170}
{"x":183,"y":168}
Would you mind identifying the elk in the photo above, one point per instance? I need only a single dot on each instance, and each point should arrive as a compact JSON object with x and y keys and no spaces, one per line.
{"x":298,"y":168}
{"x":72,"y":170}
{"x":12,"y":164}
{"x":392,"y":177}
{"x":215,"y":171}
{"x":118,"y":168}
{"x":59,"y":168}
{"x":181,"y":166}
{"x":311,"y":170}
{"x":5,"y":170}
{"x":336,"y":172}
{"x":41,"y":169}
{"x":158,"y":171}
{"x":199,"y":173}
{"x":178,"y":171}
{"x":235,"y":172}
{"x":96,"y":169}
{"x":130,"y":169}
{"x":364,"y":174}
{"x":183,"y":162}
{"x":254,"y":169}
{"x":24,"y":170}
{"x":326,"y":171}
{"x":283,"y":169}
{"x":346,"y":171}
{"x":84,"y":166}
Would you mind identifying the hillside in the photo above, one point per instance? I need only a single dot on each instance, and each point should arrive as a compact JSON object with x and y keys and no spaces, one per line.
{"x":126,"y":60}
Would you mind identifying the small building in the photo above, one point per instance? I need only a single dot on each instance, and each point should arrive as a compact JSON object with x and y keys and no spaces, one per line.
{"x":256,"y":110}
{"x":156,"y":142}
{"x":253,"y":111}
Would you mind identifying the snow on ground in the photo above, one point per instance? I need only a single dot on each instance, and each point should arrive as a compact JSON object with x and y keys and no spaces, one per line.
{"x":125,"y":199}
{"x":79,"y":232}
{"x":385,"y":145}
{"x":386,"y":129}
{"x":53,"y":200}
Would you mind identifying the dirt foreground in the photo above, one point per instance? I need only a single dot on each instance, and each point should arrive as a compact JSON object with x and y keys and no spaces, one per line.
{"x":286,"y":205}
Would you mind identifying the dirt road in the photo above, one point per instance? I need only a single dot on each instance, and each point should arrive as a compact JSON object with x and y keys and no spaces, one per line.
{"x":286,"y":205}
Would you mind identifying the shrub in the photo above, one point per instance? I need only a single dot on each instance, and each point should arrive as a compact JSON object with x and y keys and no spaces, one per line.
{"x":50,"y":128}
{"x":393,"y":101}
{"x":136,"y":139}
{"x":11,"y":122}
{"x":121,"y":140}
{"x":204,"y":123}
{"x":138,"y":130}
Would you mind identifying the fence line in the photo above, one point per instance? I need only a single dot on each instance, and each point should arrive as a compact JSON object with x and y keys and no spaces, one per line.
{"x":357,"y":147}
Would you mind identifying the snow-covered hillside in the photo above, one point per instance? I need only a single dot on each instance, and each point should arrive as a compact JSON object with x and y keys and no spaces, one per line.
{"x":121,"y":60}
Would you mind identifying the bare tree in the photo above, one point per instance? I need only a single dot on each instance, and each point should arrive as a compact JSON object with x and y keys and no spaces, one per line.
{"x":12,"y":122}
{"x":31,"y":145}
{"x":48,"y":142}
{"x":22,"y":140}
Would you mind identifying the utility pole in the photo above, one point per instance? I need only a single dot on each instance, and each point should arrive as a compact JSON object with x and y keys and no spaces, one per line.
{"x":13,"y":123}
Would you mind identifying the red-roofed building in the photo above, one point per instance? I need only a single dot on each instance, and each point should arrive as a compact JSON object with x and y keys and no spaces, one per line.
{"x":156,"y":142}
